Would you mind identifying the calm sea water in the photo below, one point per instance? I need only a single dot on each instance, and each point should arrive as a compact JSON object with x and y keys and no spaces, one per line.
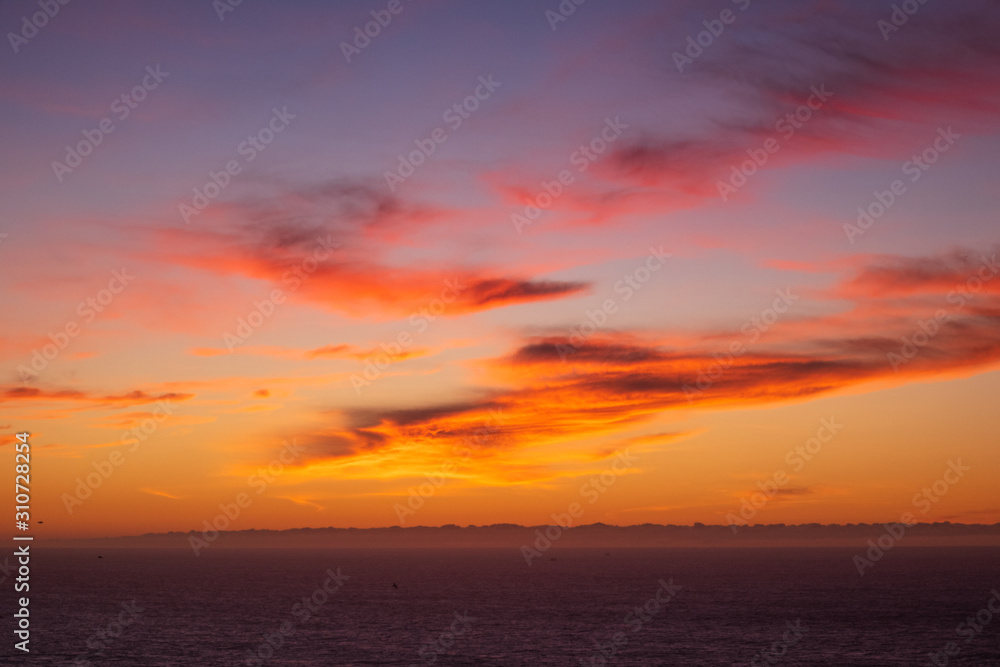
{"x":487,"y":607}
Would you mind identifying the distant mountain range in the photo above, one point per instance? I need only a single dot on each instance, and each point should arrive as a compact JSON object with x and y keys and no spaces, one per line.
{"x":543,"y":538}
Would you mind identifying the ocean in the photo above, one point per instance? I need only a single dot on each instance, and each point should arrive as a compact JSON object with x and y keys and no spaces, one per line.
{"x":723,"y":606}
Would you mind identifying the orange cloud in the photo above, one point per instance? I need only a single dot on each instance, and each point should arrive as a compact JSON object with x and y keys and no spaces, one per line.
{"x":338,"y":265}
{"x":136,"y":397}
{"x":556,"y":388}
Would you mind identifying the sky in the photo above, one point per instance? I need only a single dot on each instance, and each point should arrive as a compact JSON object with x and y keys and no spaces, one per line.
{"x":423,"y":263}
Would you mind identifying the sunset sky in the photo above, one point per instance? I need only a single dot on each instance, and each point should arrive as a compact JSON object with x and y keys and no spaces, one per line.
{"x":498,"y":246}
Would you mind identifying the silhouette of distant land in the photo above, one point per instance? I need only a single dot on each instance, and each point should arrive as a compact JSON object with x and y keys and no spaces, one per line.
{"x":596,"y":535}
